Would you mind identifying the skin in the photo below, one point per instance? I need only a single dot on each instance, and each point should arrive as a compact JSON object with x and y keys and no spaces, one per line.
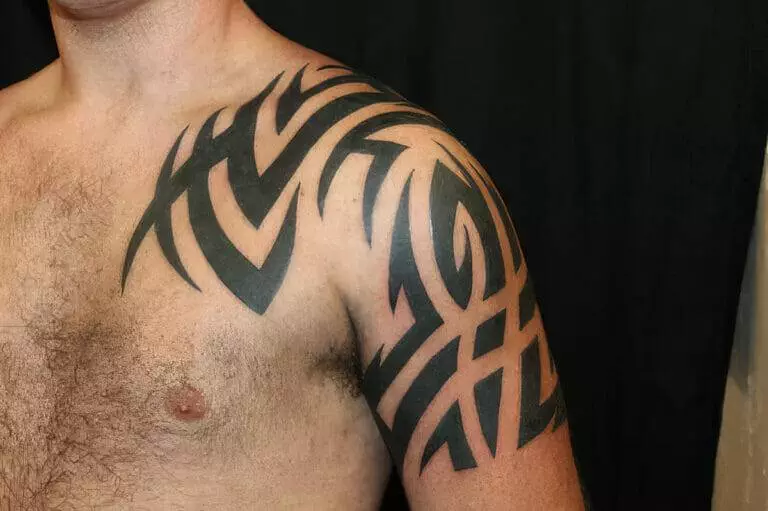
{"x":94,"y":10}
{"x":133,"y":378}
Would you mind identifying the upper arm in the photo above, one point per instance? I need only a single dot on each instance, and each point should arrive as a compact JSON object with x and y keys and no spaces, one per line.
{"x":456,"y":366}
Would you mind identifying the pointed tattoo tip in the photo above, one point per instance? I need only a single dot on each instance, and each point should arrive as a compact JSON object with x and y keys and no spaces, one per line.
{"x":393,"y":298}
{"x":191,"y":282}
{"x":335,"y":66}
{"x":124,"y":274}
{"x":441,"y":146}
{"x":375,"y":362}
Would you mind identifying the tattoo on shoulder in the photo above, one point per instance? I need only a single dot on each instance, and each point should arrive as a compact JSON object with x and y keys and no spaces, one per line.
{"x":456,"y":189}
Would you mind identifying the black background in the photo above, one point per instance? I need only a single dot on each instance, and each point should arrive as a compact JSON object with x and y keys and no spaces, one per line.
{"x":627,"y":138}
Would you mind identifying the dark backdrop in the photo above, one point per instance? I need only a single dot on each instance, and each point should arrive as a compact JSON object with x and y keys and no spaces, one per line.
{"x":627,"y":138}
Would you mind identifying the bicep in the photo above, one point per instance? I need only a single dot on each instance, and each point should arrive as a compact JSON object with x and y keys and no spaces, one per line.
{"x":456,"y":367}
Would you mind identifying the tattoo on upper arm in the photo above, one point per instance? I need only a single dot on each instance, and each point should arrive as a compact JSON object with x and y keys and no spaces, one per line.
{"x":448,"y":190}
{"x":454,"y":186}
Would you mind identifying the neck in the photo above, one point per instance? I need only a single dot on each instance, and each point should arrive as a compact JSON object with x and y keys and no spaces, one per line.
{"x":151,"y":50}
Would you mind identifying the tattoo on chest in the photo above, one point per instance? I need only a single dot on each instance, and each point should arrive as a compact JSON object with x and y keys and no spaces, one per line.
{"x":456,"y":189}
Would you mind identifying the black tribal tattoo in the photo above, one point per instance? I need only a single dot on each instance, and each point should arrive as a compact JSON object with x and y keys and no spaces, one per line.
{"x":454,"y":186}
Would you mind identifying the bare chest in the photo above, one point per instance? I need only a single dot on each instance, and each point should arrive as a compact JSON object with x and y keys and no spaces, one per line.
{"x":101,"y":388}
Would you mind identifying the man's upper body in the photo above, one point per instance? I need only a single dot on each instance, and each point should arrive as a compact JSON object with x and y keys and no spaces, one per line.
{"x":238,"y":275}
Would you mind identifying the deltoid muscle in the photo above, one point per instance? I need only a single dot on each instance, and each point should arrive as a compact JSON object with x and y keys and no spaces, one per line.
{"x":453,"y":185}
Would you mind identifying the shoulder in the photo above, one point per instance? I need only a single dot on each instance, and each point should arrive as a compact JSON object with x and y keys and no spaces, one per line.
{"x":337,"y":109}
{"x":329,"y":123}
{"x":312,"y":113}
{"x":24,"y":99}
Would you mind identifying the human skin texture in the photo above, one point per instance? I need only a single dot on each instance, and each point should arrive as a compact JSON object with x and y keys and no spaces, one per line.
{"x":239,"y":274}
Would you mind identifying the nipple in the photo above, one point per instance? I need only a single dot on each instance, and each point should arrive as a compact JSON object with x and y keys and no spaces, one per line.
{"x":186,"y":403}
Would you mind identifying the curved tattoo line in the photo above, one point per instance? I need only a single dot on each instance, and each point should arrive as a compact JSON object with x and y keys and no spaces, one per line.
{"x":498,"y":202}
{"x":163,"y":229}
{"x":403,"y":274}
{"x":384,"y":155}
{"x":294,"y":97}
{"x":256,"y":194}
{"x":419,"y":396}
{"x":448,"y":191}
{"x":202,"y":160}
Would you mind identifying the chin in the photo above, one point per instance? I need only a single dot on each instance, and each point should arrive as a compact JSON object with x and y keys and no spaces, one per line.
{"x":94,"y":9}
